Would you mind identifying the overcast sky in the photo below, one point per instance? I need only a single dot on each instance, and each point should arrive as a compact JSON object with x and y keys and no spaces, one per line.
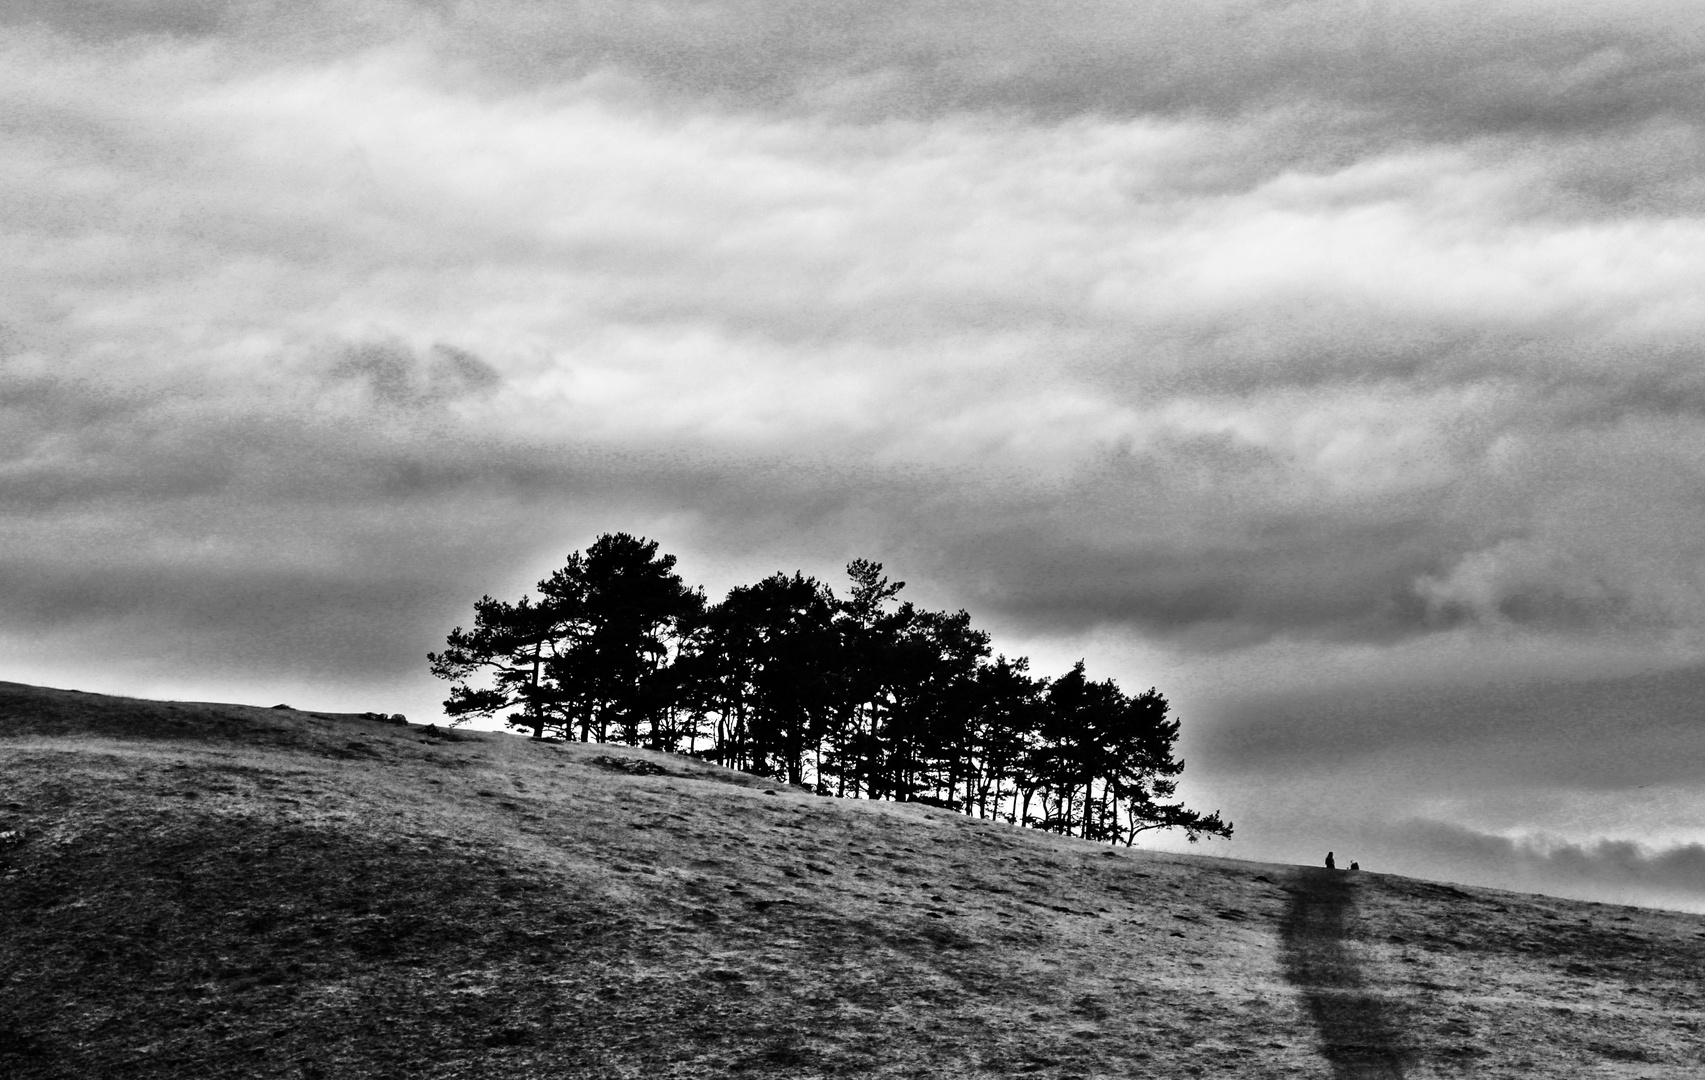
{"x":1334,"y":367}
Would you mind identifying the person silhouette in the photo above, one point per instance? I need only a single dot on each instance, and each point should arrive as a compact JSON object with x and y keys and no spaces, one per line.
{"x":1330,"y":863}
{"x":1355,"y":866}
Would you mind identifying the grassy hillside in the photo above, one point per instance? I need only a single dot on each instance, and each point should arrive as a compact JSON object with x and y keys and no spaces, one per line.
{"x":222,"y":890}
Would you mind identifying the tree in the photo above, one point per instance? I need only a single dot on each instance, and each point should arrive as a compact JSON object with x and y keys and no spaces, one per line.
{"x":869,"y":641}
{"x":513,"y":644}
{"x":1147,"y":771}
{"x":592,"y":650}
{"x":774,"y":655}
{"x":620,"y":605}
{"x":932,"y":695}
{"x":1008,"y":711}
{"x":884,"y":699}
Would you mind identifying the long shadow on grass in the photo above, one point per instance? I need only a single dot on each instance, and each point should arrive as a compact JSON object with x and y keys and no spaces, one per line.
{"x":1358,"y":1035}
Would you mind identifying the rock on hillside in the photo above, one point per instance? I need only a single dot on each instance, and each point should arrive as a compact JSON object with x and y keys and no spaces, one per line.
{"x":220,"y":890}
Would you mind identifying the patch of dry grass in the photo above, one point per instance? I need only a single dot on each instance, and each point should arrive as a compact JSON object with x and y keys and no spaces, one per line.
{"x":214,"y":890}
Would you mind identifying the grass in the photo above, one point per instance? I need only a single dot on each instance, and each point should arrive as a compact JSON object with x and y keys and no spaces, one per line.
{"x":221,"y":890}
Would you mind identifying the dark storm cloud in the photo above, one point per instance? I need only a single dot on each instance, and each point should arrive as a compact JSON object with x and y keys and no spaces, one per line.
{"x":1434,"y":71}
{"x":106,"y":20}
{"x":63,"y":440}
{"x":1231,"y":590}
{"x":1437,"y":69}
{"x":1581,"y":733}
{"x":239,"y":618}
{"x":1638,"y":871}
{"x":396,"y":376}
{"x":72,"y":441}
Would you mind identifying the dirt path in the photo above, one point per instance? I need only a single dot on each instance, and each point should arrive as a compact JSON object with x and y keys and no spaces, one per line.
{"x":1359,"y":1035}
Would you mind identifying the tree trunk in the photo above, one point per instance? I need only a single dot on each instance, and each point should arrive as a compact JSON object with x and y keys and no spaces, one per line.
{"x":533,"y":698}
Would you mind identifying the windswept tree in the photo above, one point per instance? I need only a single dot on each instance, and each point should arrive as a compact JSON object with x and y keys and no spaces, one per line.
{"x":1143,"y":775}
{"x":510,"y":648}
{"x":1102,"y":764}
{"x":589,"y":653}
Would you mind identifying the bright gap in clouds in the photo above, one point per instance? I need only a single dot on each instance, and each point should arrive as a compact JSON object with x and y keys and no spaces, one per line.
{"x":1337,"y":352}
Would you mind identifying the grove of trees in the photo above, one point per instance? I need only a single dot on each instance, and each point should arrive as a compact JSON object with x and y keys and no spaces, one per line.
{"x":858,"y":696}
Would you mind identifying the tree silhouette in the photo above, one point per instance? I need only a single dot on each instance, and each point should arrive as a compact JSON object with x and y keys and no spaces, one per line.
{"x":777,"y":656}
{"x":513,"y":644}
{"x":931,"y":699}
{"x":862,"y":697}
{"x":1006,"y":717}
{"x":619,"y":605}
{"x":869,"y":639}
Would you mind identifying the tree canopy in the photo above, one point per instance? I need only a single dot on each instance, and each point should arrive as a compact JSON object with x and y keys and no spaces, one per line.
{"x":861,"y":696}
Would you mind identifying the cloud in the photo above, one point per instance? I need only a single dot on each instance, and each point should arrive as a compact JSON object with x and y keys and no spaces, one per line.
{"x":1486,"y":725}
{"x":1225,"y":328}
{"x":1604,"y":869}
{"x":396,"y":376}
{"x":1519,"y":580}
{"x":1434,"y":68}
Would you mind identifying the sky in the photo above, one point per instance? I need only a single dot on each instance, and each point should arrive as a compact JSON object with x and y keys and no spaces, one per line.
{"x":1334,"y":367}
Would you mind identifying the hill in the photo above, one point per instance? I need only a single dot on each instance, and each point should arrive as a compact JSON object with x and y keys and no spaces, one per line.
{"x":195,"y":889}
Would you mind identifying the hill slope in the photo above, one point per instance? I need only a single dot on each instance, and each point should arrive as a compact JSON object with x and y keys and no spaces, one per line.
{"x":221,"y":890}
